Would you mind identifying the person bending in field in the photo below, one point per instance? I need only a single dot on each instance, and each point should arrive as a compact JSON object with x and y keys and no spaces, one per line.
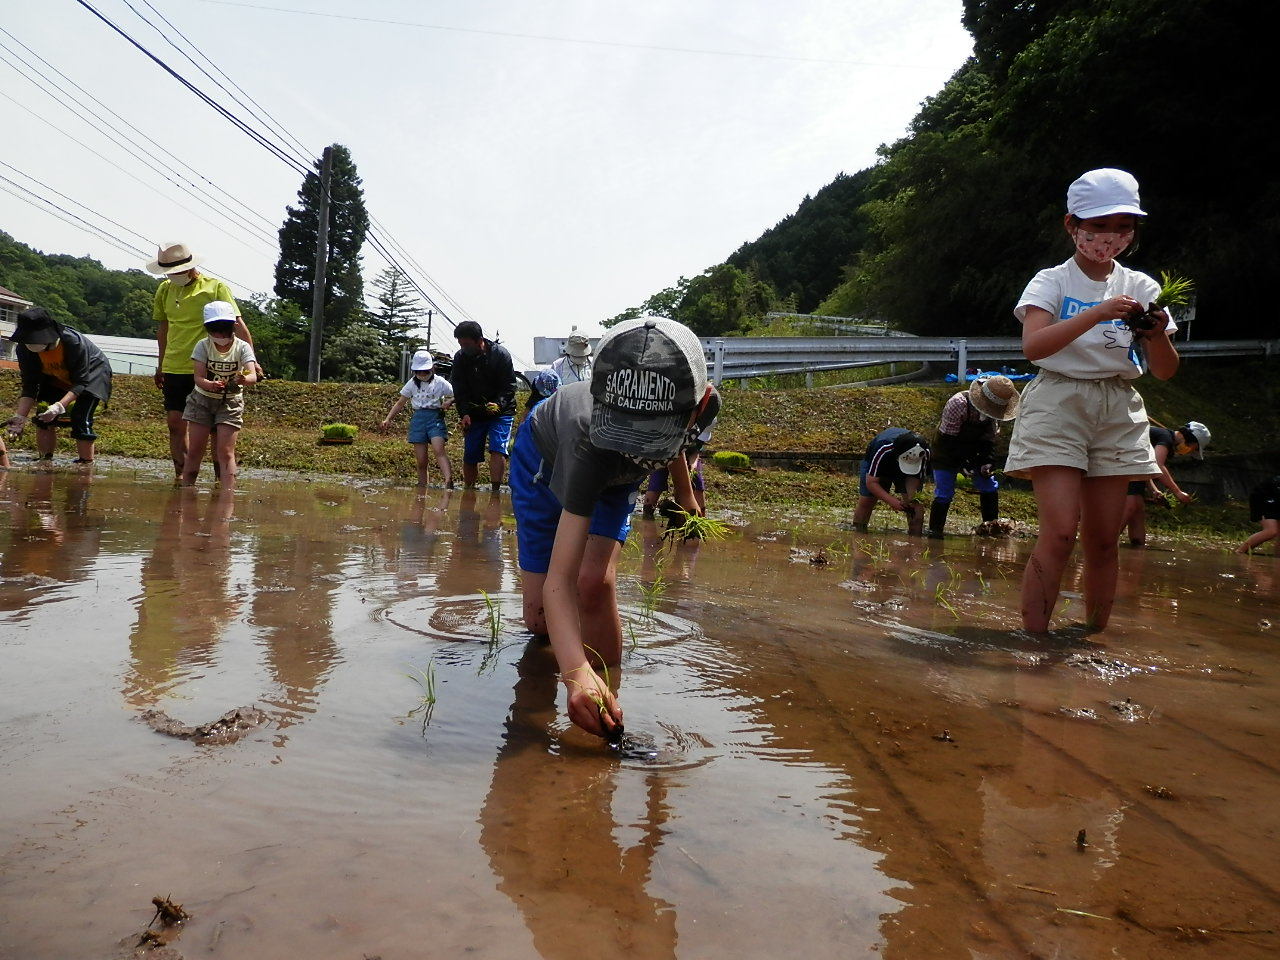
{"x":896,"y":460}
{"x":576,"y":468}
{"x":1188,"y":440}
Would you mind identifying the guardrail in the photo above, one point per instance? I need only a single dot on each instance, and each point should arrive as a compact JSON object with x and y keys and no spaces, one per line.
{"x":741,"y":358}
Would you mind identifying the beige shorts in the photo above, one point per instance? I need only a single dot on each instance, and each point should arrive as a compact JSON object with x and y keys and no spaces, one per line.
{"x":1098,"y":426}
{"x":215,"y":411}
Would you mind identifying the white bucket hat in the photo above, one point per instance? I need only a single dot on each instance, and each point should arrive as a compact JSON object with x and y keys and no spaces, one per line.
{"x":422,"y":360}
{"x":173,"y":258}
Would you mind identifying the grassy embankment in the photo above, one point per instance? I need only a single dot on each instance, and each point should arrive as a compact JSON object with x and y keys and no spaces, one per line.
{"x":1238,"y":399}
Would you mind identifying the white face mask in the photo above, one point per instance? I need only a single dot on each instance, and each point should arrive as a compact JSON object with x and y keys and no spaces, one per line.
{"x":221,"y":341}
{"x":180,"y":279}
{"x":37,"y":347}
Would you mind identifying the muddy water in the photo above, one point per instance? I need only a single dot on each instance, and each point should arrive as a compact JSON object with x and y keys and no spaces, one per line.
{"x":844,"y":758}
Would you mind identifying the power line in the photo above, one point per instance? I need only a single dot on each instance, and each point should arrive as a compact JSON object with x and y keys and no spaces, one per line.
{"x":110,"y":162}
{"x":68,"y":217}
{"x":144,"y":239}
{"x":300,"y":166}
{"x":581,"y":41}
{"x":143,"y":135}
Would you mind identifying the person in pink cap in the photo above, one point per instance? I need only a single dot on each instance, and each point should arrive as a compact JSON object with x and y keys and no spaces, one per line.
{"x":1081,"y":433}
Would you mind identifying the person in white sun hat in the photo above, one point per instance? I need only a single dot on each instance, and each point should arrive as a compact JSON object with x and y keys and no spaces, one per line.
{"x":1081,"y":435}
{"x":966,"y":441}
{"x":575,"y":365}
{"x":576,"y":469}
{"x":178,"y":311}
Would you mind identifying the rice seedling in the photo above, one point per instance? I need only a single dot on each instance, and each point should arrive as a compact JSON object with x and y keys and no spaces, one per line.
{"x":650,"y":594}
{"x":426,"y":681}
{"x":493,"y":615}
{"x":1174,"y":292}
{"x":696,"y":527}
{"x":940,"y":595}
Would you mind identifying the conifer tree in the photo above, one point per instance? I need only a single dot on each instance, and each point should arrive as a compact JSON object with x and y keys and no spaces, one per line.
{"x":348,"y":224}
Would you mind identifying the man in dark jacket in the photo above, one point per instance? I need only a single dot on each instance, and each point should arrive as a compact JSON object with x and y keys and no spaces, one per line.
{"x":63,"y":368}
{"x":484,"y":389}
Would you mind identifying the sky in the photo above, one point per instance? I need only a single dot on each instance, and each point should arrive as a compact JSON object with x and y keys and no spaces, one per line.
{"x":539,"y":164}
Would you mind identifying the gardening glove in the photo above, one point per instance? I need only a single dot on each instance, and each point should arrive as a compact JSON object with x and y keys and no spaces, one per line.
{"x":592,"y":705}
{"x":54,"y":411}
{"x":15,"y":425}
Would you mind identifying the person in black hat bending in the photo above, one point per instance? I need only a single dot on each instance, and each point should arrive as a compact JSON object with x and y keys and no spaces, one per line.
{"x":895,"y":459}
{"x":576,"y":469}
{"x":64,"y":368}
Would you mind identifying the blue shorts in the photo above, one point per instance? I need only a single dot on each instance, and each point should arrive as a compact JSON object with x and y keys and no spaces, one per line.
{"x":944,"y":484}
{"x":427,"y":423}
{"x":498,"y":433}
{"x":538,"y":511}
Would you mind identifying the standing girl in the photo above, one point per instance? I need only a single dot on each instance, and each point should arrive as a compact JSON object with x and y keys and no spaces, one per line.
{"x":222,"y":365}
{"x":430,"y":396}
{"x":1082,"y":433}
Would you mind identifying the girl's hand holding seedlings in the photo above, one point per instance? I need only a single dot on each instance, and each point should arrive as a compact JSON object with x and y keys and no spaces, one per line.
{"x":1117,"y":308}
{"x":592,"y":705}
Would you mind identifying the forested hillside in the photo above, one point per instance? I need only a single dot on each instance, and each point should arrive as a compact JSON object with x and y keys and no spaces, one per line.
{"x":943,"y":232}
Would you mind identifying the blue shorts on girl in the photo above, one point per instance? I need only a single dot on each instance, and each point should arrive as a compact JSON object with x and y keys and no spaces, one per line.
{"x":538,"y":511}
{"x":427,"y":424}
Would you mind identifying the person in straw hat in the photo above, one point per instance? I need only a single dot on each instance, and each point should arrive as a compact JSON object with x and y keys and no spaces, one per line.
{"x":178,"y":310}
{"x":966,"y":442}
{"x":575,"y":365}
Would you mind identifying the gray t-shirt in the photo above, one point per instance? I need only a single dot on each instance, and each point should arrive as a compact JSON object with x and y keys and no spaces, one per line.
{"x":578,"y":472}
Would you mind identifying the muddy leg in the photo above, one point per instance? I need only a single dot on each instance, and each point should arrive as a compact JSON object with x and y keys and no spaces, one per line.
{"x":1101,"y":519}
{"x":1057,"y":491}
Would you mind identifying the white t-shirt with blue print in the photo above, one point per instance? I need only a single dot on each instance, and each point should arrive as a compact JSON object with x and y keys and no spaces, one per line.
{"x":1106,"y":350}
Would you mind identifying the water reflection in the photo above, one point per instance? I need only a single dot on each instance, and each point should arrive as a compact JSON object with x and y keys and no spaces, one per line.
{"x":53,"y":535}
{"x":548,"y":828}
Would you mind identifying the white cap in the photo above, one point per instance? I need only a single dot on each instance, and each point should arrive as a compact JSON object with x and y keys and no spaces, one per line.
{"x":422,"y":360}
{"x":1101,"y":192}
{"x":911,"y":460}
{"x":218,"y":310}
{"x":1200,"y":434}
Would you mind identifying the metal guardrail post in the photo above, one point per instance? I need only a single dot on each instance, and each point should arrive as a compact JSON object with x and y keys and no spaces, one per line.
{"x":962,"y":360}
{"x":718,"y":374}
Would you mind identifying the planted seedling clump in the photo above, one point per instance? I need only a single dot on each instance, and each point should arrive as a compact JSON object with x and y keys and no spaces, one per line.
{"x":1174,"y":292}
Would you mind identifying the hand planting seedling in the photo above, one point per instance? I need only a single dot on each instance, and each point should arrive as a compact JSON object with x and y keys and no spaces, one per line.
{"x":1174,"y":292}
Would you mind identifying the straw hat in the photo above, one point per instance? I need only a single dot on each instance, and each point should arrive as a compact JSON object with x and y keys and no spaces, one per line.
{"x":997,"y":397}
{"x":173,"y":258}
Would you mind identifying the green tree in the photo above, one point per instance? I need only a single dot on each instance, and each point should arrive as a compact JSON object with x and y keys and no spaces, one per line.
{"x":359,"y":354}
{"x":348,"y":225}
{"x":280,"y":335}
{"x":397,"y":312}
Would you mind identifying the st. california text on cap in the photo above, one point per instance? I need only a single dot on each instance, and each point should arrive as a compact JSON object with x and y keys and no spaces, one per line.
{"x":173,"y":258}
{"x":35,"y":325}
{"x":997,"y":397}
{"x":1102,"y":192}
{"x":219,"y":311}
{"x":649,"y":375}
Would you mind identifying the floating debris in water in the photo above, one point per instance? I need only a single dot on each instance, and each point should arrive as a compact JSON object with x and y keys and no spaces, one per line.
{"x":229,"y":727}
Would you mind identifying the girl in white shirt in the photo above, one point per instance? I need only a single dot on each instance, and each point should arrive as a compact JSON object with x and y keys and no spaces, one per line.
{"x":1081,"y":434}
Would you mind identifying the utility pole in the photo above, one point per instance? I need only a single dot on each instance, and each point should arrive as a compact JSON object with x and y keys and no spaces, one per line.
{"x":322,"y":266}
{"x":430,"y":313}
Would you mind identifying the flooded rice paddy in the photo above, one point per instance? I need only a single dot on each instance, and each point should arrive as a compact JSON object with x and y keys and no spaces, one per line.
{"x":838,"y":746}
